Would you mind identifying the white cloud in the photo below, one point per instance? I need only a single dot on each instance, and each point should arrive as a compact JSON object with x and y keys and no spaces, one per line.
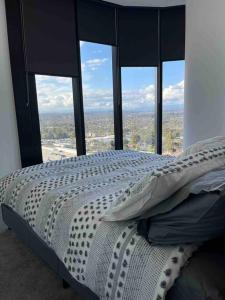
{"x":98,"y":99}
{"x":174,"y":92}
{"x":89,"y":66}
{"x":149,"y":93}
{"x":145,"y":98}
{"x":52,"y":80}
{"x":95,"y":63}
{"x":55,"y":94}
{"x":60,"y":102}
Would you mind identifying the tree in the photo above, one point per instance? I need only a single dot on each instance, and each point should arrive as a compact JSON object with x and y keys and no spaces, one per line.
{"x":125,"y":143}
{"x":112,"y":145}
{"x":168,"y":144}
{"x":135,"y":140}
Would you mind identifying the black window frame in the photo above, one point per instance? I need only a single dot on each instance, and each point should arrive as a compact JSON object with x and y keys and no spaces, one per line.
{"x":26,"y":96}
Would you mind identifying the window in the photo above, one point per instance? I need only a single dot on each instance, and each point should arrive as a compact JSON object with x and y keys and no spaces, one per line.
{"x":55,"y":105}
{"x":173,"y":107}
{"x":138,"y":97}
{"x":96,"y":62}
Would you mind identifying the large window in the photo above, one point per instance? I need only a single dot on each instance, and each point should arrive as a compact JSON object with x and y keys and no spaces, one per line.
{"x":173,"y":107}
{"x":55,"y":106}
{"x":97,"y":82}
{"x":90,"y":87}
{"x":138,"y":97}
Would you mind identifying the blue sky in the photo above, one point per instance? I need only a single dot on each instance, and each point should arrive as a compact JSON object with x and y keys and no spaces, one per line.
{"x":138,"y":84}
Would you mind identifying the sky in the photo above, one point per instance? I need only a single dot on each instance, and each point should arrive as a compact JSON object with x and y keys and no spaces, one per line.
{"x":138,"y":85}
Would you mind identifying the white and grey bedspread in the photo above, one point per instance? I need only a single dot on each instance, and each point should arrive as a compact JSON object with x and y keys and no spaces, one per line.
{"x":63,"y":202}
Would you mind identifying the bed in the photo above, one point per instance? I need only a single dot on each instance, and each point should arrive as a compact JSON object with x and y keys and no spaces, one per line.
{"x":56,"y":209}
{"x":196,"y":281}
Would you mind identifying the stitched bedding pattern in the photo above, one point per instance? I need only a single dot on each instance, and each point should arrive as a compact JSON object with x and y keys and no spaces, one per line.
{"x":63,"y":201}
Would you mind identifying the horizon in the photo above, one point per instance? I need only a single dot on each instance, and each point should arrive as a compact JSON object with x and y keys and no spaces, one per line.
{"x":166,"y":108}
{"x":138,"y":85}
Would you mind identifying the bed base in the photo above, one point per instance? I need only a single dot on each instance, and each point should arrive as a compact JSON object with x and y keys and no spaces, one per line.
{"x":26,"y":234}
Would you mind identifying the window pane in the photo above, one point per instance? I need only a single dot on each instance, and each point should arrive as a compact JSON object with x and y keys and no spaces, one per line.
{"x":98,"y":96}
{"x":173,"y":107}
{"x":139,"y":95}
{"x":55,"y":105}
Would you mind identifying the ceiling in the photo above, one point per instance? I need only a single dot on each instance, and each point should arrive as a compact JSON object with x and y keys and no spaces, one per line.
{"x":158,"y":3}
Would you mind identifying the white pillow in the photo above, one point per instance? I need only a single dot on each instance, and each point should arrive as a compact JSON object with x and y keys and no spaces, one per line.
{"x":164,"y":182}
{"x":218,"y":141}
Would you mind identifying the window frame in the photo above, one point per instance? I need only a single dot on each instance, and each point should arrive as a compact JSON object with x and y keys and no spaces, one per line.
{"x":26,"y":97}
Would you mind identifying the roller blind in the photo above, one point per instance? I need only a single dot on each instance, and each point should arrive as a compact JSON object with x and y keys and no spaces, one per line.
{"x":173,"y":33}
{"x":50,"y":37}
{"x":96,"y":22}
{"x":138,"y":36}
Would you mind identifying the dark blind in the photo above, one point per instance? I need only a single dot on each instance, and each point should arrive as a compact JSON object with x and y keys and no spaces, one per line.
{"x":138,"y":36}
{"x":96,"y":22}
{"x":28,"y":129}
{"x":173,"y":33}
{"x":50,"y":37}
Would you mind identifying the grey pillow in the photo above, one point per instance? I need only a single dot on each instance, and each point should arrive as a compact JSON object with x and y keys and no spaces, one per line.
{"x":199,"y":218}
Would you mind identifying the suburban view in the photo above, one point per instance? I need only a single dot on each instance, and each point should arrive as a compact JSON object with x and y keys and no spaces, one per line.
{"x":58,"y":137}
{"x":56,"y":115}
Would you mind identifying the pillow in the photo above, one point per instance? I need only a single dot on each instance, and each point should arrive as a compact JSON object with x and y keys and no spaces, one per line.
{"x":213,"y":181}
{"x":198,"y":219}
{"x":163,"y":182}
{"x":218,"y":141}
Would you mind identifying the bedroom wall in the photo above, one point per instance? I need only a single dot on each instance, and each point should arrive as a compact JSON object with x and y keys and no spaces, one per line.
{"x":9,"y":145}
{"x":205,"y":70}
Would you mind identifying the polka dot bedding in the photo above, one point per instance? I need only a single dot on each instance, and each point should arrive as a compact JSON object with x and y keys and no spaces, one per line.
{"x":147,"y":194}
{"x":64,"y":201}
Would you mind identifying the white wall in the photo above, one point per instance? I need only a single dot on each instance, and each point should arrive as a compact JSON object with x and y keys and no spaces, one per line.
{"x":205,"y":70}
{"x":9,"y":146}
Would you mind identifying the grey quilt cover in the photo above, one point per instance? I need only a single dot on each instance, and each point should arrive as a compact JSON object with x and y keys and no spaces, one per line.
{"x":63,"y":202}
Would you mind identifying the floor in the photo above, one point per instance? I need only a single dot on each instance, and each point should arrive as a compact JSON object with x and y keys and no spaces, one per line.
{"x":24,"y":277}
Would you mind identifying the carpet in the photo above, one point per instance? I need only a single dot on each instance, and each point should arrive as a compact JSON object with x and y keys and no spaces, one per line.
{"x":23,"y":276}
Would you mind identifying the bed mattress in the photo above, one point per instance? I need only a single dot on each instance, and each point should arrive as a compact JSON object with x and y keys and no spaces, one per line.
{"x":63,"y":202}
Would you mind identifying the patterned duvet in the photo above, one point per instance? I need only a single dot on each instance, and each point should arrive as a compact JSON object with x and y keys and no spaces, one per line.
{"x":63,"y":202}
